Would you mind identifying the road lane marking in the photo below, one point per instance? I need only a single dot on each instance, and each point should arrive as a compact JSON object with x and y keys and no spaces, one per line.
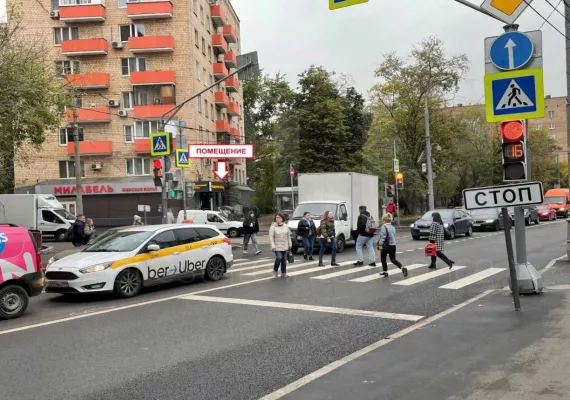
{"x":270,"y":270}
{"x":374,"y":277}
{"x":261,"y":260}
{"x":306,"y":307}
{"x":231,"y":270}
{"x":428,"y":276}
{"x":368,"y":349}
{"x":341,"y":273}
{"x":468,"y":280}
{"x":318,"y":269}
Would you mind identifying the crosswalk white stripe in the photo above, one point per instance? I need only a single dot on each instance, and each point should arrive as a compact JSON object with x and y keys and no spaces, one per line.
{"x":468,"y":280}
{"x":289,"y":267}
{"x":261,"y":260}
{"x":240,"y":259}
{"x":231,"y":270}
{"x":310,"y":270}
{"x":341,"y":273}
{"x":373,"y":277}
{"x":428,"y":276}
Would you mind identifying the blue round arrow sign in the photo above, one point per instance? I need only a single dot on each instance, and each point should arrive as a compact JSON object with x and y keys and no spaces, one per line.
{"x":511,"y":50}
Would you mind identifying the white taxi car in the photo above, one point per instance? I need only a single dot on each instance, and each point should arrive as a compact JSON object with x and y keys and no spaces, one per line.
{"x":138,"y":256}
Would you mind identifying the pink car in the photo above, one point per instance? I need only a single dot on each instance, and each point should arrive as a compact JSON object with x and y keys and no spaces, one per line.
{"x":21,"y":274}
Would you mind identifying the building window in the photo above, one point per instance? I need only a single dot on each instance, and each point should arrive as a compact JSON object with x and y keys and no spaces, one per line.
{"x":143,"y":129}
{"x":128,"y":134}
{"x":551,"y":114}
{"x":66,"y":136}
{"x":202,"y":14}
{"x":67,"y":169}
{"x":552,"y":136}
{"x":122,"y":3}
{"x":551,"y":126}
{"x":132,"y":30}
{"x":65,"y":33}
{"x":128,"y":100}
{"x":199,"y":104}
{"x":66,"y":67}
{"x":137,"y":166}
{"x":132,"y":64}
{"x":197,"y":70}
{"x":203,"y":46}
{"x":206,"y":107}
{"x":195,"y":7}
{"x":210,"y":53}
{"x":212,"y":111}
{"x":205,"y":77}
{"x":196,"y":38}
{"x":213,"y":81}
{"x":538,"y":126}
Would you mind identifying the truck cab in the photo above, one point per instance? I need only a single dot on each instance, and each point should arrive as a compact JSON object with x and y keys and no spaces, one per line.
{"x":559,"y":200}
{"x":317,"y":209}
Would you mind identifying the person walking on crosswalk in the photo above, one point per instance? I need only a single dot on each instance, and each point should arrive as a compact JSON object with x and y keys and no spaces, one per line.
{"x":280,"y":242}
{"x":387,"y":246}
{"x":437,"y":236}
{"x":327,"y":235}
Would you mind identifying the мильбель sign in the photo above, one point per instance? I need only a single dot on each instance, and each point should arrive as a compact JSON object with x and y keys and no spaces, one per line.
{"x":518,"y":194}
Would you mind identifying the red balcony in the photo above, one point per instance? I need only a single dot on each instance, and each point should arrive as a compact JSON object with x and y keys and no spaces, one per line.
{"x":223,"y":127}
{"x":230,"y":34}
{"x":220,"y":71}
{"x":84,"y":47}
{"x":82,"y":13}
{"x":218,"y":15}
{"x":232,"y":84}
{"x":92,"y":148}
{"x":233,"y":109}
{"x":149,"y":9}
{"x":151,"y":44}
{"x":95,"y":80}
{"x":143,"y":145}
{"x":163,"y":77}
{"x":231,"y":59}
{"x":235,"y":132}
{"x":152,"y":111}
{"x":92,"y":115}
{"x":219,"y":43}
{"x":221,"y":99}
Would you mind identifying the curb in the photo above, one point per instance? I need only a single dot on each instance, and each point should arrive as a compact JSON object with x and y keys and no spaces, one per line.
{"x":46,"y":250}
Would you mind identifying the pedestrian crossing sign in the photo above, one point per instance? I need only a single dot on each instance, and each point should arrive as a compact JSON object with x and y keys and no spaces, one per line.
{"x":182,"y":159}
{"x":514,"y":95}
{"x":160,"y":144}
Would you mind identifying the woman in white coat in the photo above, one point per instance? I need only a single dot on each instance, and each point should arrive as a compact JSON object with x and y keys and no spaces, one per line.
{"x":280,"y":241}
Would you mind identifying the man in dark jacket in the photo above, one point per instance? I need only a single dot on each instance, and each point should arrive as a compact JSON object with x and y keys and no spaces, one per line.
{"x":365,"y":238}
{"x":79,"y":238}
{"x":250,"y":230}
{"x":308,"y":231}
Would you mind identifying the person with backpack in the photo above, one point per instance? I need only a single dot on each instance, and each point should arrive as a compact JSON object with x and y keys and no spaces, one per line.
{"x":367,"y":228}
{"x":387,"y":246}
{"x":327,"y":235}
{"x":437,"y":237}
{"x":250,"y":231}
{"x":78,"y":237}
{"x":308,"y":231}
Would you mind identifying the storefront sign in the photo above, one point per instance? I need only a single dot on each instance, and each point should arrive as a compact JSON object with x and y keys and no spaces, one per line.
{"x":221,"y":151}
{"x":100,"y":188}
{"x":206,"y":187}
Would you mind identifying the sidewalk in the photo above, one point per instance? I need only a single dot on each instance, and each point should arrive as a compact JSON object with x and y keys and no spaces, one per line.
{"x":483,"y":351}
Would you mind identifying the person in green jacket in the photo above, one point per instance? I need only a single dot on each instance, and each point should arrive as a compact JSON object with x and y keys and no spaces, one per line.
{"x":327,"y":236}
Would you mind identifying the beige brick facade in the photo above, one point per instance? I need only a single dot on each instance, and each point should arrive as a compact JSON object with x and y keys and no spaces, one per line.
{"x":39,"y":27}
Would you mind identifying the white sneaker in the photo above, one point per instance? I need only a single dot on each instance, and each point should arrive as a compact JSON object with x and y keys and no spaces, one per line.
{"x":258,"y":252}
{"x":275,"y":274}
{"x":245,"y":252}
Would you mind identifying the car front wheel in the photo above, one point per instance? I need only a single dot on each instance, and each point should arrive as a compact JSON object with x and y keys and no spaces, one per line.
{"x":340,"y":243}
{"x":13,"y":302}
{"x":233,"y":233}
{"x":469,"y":231}
{"x":128,"y":283}
{"x":451,"y":233}
{"x":215,"y":269}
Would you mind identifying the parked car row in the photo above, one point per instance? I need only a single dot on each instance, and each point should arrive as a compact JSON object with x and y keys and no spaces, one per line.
{"x":122,"y":261}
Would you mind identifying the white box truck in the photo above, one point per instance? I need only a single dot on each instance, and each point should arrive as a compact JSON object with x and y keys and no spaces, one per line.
{"x":340,"y":192}
{"x":36,"y":211}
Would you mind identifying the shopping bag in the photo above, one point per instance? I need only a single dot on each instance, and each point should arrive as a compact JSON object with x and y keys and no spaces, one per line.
{"x":430,"y":250}
{"x":290,"y":257}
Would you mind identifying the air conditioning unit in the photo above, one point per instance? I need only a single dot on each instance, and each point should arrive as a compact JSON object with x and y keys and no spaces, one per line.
{"x":123,"y":113}
{"x":54,"y":14}
{"x":113,"y":103}
{"x":96,"y":166}
{"x":117,"y":44}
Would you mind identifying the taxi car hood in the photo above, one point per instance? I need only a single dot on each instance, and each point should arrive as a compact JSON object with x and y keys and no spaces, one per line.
{"x":86,"y":259}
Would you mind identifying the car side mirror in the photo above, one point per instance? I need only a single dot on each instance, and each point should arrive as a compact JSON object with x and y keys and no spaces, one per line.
{"x":153,"y":247}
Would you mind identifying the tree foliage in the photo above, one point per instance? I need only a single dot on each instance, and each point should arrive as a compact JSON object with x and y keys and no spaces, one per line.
{"x":31,"y":98}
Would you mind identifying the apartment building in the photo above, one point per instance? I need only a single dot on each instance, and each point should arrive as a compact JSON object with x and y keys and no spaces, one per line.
{"x":129,"y":62}
{"x":554,"y":121}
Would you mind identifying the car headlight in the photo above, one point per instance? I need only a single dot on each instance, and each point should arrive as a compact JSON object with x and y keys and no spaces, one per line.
{"x":489,"y":221}
{"x":412,"y":225}
{"x":95,"y":268}
{"x":562,"y":208}
{"x":446,"y":225}
{"x":50,"y":262}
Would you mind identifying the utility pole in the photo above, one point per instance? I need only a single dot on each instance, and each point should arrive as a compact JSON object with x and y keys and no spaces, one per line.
{"x":77,"y":159}
{"x":181,"y":144}
{"x":396,"y":189}
{"x":567,"y":31}
{"x":431,"y":201}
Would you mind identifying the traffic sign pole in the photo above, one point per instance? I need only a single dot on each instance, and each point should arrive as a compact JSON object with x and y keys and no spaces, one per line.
{"x":511,"y":258}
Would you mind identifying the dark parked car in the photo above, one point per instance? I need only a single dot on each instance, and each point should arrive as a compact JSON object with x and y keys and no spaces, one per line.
{"x":530,"y":215}
{"x":457,"y":222}
{"x":489,"y":218}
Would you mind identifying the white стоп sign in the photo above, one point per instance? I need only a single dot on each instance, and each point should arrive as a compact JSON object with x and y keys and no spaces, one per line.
{"x":519,"y":194}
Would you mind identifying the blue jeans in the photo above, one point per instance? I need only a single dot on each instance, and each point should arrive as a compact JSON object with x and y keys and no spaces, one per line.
{"x":369,"y":243}
{"x":308,"y":245}
{"x":323,"y":247}
{"x":280,"y":259}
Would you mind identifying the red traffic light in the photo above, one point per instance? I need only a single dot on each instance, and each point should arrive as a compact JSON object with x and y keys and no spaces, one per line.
{"x":512,"y":131}
{"x":157,"y":163}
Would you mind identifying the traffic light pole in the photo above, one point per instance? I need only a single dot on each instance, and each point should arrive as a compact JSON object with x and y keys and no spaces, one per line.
{"x":77,"y":159}
{"x":431,"y":199}
{"x":396,"y":190}
{"x":567,"y":26}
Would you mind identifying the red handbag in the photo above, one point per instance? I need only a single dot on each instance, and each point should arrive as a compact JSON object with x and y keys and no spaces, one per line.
{"x":430,"y":250}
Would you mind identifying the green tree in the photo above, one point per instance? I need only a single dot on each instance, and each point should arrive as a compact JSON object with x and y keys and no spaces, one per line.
{"x":31,"y":98}
{"x":543,"y":161}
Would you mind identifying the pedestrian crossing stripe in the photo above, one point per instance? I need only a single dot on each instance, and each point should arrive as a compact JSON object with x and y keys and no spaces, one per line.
{"x":514,"y":97}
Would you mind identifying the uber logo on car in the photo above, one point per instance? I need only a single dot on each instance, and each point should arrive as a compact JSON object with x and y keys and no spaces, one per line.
{"x":181,"y":268}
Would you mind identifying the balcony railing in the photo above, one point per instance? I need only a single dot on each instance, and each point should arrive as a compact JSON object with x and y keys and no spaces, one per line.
{"x":84,"y":12}
{"x":142,"y":145}
{"x":151,"y":44}
{"x":233,"y":109}
{"x":152,"y":111}
{"x":230,"y":59}
{"x":232,"y":84}
{"x":163,"y":77}
{"x":95,"y":80}
{"x":218,"y":15}
{"x":223,"y":126}
{"x":235,"y":132}
{"x":84,"y":47}
{"x":230,"y":34}
{"x":92,"y":115}
{"x":219,"y":43}
{"x":220,"y":71}
{"x":221,"y":99}
{"x":149,"y":9}
{"x":87,"y":148}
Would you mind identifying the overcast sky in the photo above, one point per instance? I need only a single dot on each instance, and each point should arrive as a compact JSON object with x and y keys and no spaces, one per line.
{"x":290,"y":35}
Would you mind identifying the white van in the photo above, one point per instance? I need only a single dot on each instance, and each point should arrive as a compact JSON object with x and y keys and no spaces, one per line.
{"x":229,"y":228}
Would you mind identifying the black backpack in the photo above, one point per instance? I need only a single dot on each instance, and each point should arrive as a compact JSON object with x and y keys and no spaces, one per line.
{"x":69,"y":234}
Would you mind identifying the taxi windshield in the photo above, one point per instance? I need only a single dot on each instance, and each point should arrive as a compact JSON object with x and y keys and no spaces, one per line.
{"x":122,"y":241}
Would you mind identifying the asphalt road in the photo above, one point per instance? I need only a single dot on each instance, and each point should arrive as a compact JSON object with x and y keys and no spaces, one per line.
{"x":247,"y":335}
